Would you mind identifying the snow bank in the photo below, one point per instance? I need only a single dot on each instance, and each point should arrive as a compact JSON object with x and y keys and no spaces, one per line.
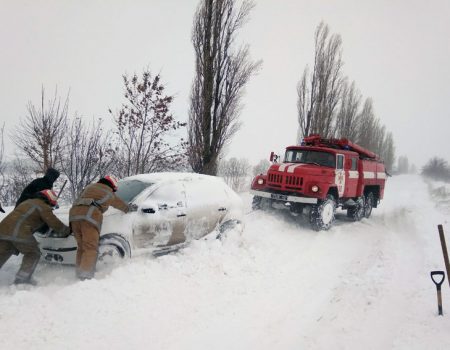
{"x":278,"y":285}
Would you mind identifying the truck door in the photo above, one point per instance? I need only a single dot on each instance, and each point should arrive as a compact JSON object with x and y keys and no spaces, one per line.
{"x":352,"y":176}
{"x":340,"y":174}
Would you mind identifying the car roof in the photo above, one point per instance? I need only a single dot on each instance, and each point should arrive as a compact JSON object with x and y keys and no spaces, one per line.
{"x":158,"y":178}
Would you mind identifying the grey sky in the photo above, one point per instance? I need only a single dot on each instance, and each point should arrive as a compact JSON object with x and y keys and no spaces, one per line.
{"x":398,"y":53}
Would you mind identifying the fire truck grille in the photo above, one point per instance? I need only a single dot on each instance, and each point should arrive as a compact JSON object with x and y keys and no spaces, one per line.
{"x":289,"y":181}
{"x":275,"y":178}
{"x":294,"y":182}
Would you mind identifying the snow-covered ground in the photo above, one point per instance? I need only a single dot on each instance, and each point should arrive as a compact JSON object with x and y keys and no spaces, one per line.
{"x":278,"y":285}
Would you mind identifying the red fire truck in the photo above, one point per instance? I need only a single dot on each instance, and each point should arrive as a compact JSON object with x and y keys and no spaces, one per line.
{"x":320,"y":175}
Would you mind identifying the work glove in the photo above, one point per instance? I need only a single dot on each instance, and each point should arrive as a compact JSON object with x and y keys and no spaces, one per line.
{"x":62,"y":234}
{"x":132,"y":207}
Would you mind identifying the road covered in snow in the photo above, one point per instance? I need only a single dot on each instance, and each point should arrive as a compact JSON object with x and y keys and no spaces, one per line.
{"x":278,"y":285}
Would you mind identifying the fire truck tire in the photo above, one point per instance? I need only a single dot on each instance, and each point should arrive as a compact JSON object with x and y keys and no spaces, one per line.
{"x":322,"y":214}
{"x":256,"y":203}
{"x":356,"y":213}
{"x":368,"y":205}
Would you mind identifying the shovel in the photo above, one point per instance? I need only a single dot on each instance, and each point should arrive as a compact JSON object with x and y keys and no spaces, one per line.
{"x":438,"y":278}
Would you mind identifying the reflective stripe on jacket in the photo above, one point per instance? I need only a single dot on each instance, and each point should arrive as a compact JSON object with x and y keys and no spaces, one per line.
{"x":28,"y":217}
{"x":93,"y":202}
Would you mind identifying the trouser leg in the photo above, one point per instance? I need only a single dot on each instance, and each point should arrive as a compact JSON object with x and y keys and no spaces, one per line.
{"x":76,"y":230}
{"x":31,"y":256}
{"x":6,"y":250}
{"x":89,"y":245}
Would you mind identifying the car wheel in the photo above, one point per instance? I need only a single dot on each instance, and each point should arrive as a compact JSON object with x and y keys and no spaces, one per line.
{"x":226,"y":226}
{"x":112,"y":248}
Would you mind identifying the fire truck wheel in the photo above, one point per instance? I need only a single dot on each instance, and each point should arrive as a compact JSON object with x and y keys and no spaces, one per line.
{"x":356,"y":213}
{"x":256,"y":203}
{"x":322,"y":214}
{"x":368,"y":205}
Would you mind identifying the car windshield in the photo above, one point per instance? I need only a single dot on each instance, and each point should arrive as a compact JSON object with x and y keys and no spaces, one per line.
{"x":129,"y":189}
{"x":310,"y":157}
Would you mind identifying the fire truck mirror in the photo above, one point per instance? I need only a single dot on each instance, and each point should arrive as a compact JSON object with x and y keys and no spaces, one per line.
{"x":274,"y":157}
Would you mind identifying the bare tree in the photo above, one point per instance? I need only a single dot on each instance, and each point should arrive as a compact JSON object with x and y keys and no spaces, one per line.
{"x":18,"y":174}
{"x":437,"y":169}
{"x":2,"y":164}
{"x":388,"y":153}
{"x":235,"y":172}
{"x":221,"y":74}
{"x":368,"y":123}
{"x":261,"y":167}
{"x":319,"y":91}
{"x":41,"y":134}
{"x":89,"y":154}
{"x":144,"y":126}
{"x":347,"y":121}
{"x":403,"y":165}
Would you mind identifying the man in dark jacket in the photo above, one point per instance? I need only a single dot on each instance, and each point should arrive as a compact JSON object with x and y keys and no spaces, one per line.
{"x":42,"y":183}
{"x":16,"y":232}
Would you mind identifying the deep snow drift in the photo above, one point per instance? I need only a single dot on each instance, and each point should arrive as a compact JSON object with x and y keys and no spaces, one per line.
{"x":278,"y":285}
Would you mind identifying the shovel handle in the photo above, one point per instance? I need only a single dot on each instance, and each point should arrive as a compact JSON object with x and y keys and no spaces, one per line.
{"x":437,"y":281}
{"x":444,"y":251}
{"x":438,"y":278}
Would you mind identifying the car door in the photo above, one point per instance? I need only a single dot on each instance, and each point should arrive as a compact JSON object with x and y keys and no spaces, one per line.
{"x":207,"y":204}
{"x":161,"y":218}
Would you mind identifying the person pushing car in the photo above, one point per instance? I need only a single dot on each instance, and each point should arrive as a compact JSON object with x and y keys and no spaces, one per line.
{"x":41,"y":183}
{"x":16,"y":232}
{"x":86,"y":217}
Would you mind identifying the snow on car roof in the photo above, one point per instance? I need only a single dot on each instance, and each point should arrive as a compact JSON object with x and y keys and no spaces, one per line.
{"x":166,"y":176}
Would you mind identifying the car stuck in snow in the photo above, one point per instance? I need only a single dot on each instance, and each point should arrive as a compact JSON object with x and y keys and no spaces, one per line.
{"x":172,"y":210}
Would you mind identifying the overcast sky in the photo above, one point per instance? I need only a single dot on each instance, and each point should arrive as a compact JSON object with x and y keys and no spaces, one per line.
{"x":397,"y":52}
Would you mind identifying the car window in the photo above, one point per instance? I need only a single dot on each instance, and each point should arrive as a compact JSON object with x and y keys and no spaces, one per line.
{"x":206,"y":194}
{"x":129,"y":189}
{"x":172,"y":194}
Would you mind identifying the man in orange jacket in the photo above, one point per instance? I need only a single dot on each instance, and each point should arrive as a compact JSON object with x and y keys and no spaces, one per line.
{"x":16,"y":232}
{"x":86,"y":217}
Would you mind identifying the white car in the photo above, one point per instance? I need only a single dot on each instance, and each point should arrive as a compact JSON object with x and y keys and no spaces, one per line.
{"x":173,"y":209}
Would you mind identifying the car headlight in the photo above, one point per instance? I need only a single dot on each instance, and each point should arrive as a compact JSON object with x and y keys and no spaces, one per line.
{"x":260,"y":181}
{"x":315,"y":188}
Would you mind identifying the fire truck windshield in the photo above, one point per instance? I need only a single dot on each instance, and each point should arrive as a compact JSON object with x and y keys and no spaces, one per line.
{"x":310,"y":157}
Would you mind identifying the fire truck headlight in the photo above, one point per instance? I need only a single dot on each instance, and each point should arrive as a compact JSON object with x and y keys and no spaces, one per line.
{"x":315,"y":188}
{"x":260,"y":181}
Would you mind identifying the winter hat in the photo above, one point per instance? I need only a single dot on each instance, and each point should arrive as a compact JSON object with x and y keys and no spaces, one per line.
{"x":110,"y":181}
{"x":52,"y":174}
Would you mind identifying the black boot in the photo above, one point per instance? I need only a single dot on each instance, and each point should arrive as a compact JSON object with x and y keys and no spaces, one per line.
{"x":29,"y":281}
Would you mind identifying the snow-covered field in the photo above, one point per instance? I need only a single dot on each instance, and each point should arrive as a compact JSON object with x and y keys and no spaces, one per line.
{"x":278,"y":285}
